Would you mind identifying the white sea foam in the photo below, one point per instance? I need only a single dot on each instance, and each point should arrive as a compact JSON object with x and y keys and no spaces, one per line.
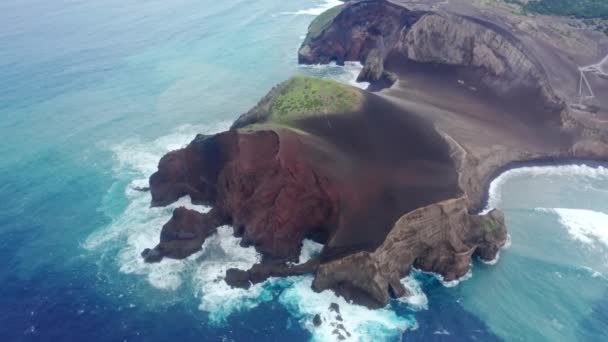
{"x":138,"y":226}
{"x":310,"y":249}
{"x":416,"y":299}
{"x":587,"y":226}
{"x":353,"y":69}
{"x":593,"y":273}
{"x":346,"y":74}
{"x":582,"y":170}
{"x":363,"y":324}
{"x":221,"y":252}
{"x":494,"y":261}
{"x":451,"y":283}
{"x":324,"y":6}
{"x":141,"y":157}
{"x":441,"y":332}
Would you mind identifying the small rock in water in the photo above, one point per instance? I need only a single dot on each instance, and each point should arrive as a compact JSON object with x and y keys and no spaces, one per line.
{"x":317,"y":320}
{"x":238,"y":278}
{"x":151,"y":255}
{"x":338,"y":334}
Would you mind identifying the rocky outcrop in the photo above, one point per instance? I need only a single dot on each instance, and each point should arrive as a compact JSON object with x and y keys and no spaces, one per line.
{"x":370,"y":31}
{"x":191,"y":171}
{"x":184,"y":234}
{"x":358,"y":29}
{"x":253,"y":182}
{"x":469,"y":42}
{"x":386,"y":183}
{"x":439,"y":238}
{"x":342,"y":177}
{"x":261,"y":272}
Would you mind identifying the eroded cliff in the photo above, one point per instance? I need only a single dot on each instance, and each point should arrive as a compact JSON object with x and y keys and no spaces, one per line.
{"x":317,"y":159}
{"x":370,"y":31}
{"x":388,"y":181}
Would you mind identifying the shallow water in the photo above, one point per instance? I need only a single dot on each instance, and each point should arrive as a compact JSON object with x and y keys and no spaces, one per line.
{"x":94,"y":93}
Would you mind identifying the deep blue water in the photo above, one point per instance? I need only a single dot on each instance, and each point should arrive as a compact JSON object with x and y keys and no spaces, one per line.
{"x":92,"y":94}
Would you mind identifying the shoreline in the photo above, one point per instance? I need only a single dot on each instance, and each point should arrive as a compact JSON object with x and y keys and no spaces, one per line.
{"x":541,"y":162}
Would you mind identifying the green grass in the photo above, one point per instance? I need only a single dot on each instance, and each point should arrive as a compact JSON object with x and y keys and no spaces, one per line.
{"x":571,"y":8}
{"x":491,"y":225}
{"x":306,"y":96}
{"x":269,"y":126}
{"x":322,"y":21}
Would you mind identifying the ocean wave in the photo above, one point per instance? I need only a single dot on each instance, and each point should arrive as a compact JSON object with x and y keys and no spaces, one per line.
{"x":327,"y":4}
{"x":586,"y":226}
{"x":451,"y":283}
{"x":494,"y":261}
{"x":416,"y":299}
{"x":363,"y":324}
{"x":137,"y":157}
{"x":582,"y":170}
{"x":310,"y":249}
{"x":346,"y":74}
{"x":138,"y":225}
{"x":220,"y":252}
{"x":593,"y":273}
{"x":136,"y":229}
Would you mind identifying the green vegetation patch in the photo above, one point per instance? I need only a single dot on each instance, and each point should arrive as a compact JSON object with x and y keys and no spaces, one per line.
{"x":271,"y":126}
{"x":491,"y":225}
{"x":322,"y":21}
{"x":303,"y":96}
{"x":574,"y":8}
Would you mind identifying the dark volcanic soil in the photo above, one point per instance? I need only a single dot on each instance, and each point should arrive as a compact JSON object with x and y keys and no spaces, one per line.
{"x":393,"y":183}
{"x":471,"y":112}
{"x":391,"y":161}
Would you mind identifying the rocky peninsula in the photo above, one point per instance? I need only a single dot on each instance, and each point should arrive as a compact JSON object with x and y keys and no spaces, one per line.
{"x":393,"y":179}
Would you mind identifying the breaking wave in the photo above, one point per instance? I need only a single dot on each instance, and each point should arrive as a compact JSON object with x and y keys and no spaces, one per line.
{"x":586,"y":226}
{"x":361,"y":323}
{"x":455,"y":282}
{"x":327,"y":4}
{"x":220,"y":252}
{"x":137,"y":226}
{"x":346,"y":74}
{"x":417,"y":299}
{"x":582,"y":170}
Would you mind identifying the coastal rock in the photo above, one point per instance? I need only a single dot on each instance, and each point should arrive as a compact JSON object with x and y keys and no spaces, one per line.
{"x":272,"y":200}
{"x":371,"y":31}
{"x":440,"y":238}
{"x":184,"y":234}
{"x":237,"y":278}
{"x":317,"y":320}
{"x":321,"y":160}
{"x":261,"y":272}
{"x":190,"y":171}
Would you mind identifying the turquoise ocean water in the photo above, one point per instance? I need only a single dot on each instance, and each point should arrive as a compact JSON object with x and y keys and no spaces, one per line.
{"x":92,"y":94}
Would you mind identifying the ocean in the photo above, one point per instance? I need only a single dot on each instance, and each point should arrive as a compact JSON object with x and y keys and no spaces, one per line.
{"x":93,"y":93}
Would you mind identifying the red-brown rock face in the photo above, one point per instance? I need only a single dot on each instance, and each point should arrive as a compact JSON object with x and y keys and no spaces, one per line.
{"x":343,"y":179}
{"x":269,"y":193}
{"x":272,"y":194}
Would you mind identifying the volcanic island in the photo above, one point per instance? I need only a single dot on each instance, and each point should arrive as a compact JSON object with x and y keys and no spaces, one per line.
{"x":394,"y":177}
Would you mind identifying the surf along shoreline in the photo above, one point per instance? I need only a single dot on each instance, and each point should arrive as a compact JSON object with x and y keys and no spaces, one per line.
{"x":278,"y":176}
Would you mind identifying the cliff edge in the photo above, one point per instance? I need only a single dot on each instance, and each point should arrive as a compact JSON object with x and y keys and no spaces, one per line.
{"x":391,"y":180}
